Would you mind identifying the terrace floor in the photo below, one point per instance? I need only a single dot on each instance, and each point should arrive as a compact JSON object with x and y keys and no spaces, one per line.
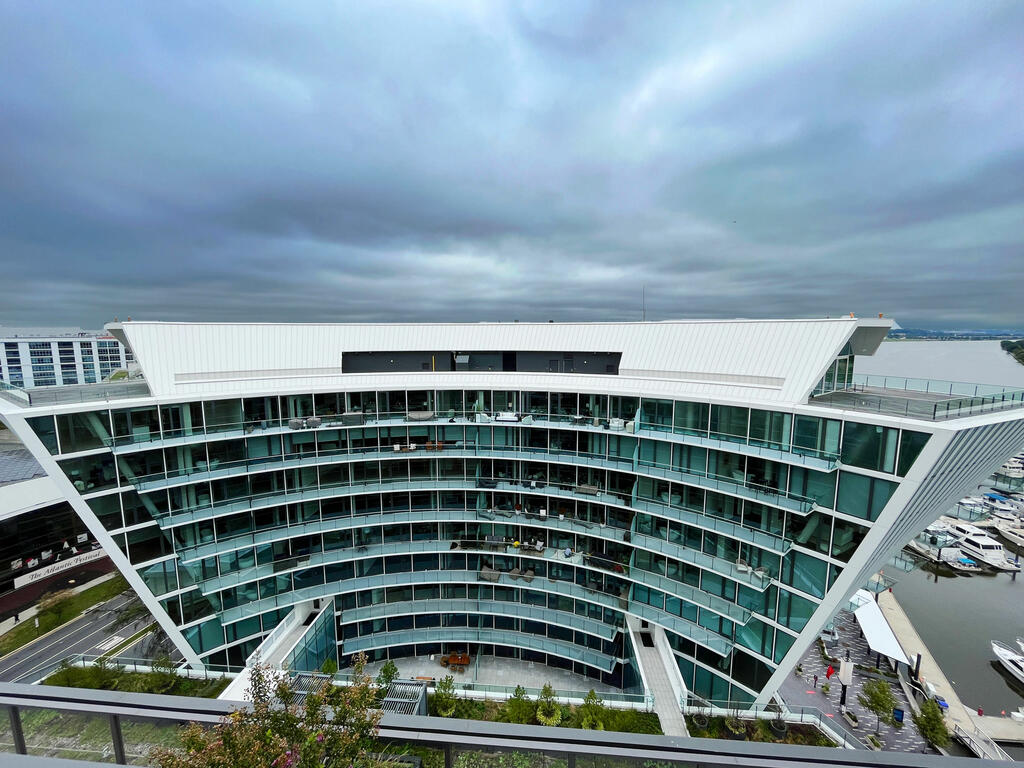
{"x":498,"y":671}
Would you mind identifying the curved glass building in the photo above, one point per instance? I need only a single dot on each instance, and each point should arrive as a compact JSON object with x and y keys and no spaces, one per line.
{"x":549,"y":492}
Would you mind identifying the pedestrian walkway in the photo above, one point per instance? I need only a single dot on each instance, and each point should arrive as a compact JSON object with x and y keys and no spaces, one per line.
{"x":29,"y":613}
{"x":666,"y":704}
{"x":801,"y":691}
{"x":958,"y":716}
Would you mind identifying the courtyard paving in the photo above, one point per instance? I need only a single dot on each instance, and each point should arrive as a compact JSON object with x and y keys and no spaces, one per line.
{"x":800,"y":691}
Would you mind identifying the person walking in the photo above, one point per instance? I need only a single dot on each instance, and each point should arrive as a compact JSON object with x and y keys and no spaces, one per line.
{"x":815,"y":682}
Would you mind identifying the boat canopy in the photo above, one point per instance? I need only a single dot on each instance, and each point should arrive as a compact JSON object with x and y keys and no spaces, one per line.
{"x":996,"y":497}
{"x":876,"y":629}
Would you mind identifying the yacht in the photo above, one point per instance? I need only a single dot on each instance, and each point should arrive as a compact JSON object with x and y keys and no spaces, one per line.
{"x":1014,"y":468}
{"x":1001,"y":507}
{"x":1012,"y":659}
{"x":977,"y":544}
{"x":971,"y":508}
{"x":1013,"y":532}
{"x":938,"y":544}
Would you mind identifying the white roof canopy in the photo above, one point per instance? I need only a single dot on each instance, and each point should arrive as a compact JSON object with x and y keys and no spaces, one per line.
{"x":752,"y":360}
{"x":876,"y":629}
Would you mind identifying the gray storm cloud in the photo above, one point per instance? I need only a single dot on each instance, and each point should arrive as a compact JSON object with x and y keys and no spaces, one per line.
{"x":484,"y":161}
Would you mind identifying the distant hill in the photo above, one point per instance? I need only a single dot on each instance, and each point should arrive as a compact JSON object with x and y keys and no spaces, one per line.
{"x":1015,"y":348}
{"x":979,"y":334}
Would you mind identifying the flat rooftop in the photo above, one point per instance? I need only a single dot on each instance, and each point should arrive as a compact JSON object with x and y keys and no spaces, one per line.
{"x":921,"y":398}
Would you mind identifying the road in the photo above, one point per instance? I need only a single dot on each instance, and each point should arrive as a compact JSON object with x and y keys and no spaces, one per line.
{"x":89,"y":633}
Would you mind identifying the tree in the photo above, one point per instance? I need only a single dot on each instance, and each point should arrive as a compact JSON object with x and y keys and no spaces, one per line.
{"x":128,"y":615}
{"x":592,"y":712}
{"x":444,"y":696}
{"x":931,"y":725}
{"x":329,"y":667}
{"x":879,"y":699}
{"x":548,"y":710}
{"x":387,"y":675}
{"x":519,"y":708}
{"x":335,"y":726}
{"x":58,"y":604}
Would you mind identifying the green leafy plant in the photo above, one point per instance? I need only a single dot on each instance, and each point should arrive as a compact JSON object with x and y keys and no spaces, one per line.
{"x":549,"y":712}
{"x":519,"y":708}
{"x":329,"y":667}
{"x":444,"y":696}
{"x":336,"y":726}
{"x":931,"y":725}
{"x":878,"y":698}
{"x":826,"y":687}
{"x":592,"y":712}
{"x":735,"y":726}
{"x":387,"y":675}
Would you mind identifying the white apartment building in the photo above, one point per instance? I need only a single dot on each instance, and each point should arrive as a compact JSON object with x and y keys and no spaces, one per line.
{"x":47,"y":357}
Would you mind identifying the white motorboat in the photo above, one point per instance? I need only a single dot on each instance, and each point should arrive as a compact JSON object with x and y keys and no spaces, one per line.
{"x":938,"y":544}
{"x":977,"y":544}
{"x":1001,"y":507}
{"x":1012,"y":659}
{"x":1012,"y":532}
{"x":971,"y":507}
{"x":1014,"y":468}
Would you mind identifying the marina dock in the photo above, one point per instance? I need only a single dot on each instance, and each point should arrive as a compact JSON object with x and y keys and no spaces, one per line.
{"x":979,"y":733}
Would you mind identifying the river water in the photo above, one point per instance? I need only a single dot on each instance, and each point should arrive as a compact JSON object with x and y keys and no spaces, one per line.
{"x":957,"y":616}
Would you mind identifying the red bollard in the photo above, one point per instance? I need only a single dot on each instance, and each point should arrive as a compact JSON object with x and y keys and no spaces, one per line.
{"x":981,"y":712}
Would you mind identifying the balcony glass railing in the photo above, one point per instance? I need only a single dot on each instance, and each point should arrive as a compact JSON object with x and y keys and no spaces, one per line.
{"x":451,"y":635}
{"x":736,"y":484}
{"x":754,"y":578}
{"x":922,"y":398}
{"x":593,"y":592}
{"x":782,"y":452}
{"x":498,"y":546}
{"x":490,"y":607}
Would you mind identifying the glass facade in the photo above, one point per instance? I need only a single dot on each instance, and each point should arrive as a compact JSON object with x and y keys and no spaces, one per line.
{"x":437,"y":520}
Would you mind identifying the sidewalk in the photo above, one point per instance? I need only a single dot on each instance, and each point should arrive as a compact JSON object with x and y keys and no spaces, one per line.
{"x":29,"y":613}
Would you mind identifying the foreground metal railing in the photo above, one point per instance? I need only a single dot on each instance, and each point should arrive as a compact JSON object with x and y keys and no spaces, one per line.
{"x":105,"y":726}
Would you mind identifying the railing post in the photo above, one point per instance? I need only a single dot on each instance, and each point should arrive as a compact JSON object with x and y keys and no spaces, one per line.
{"x":118,"y":740}
{"x":17,"y":734}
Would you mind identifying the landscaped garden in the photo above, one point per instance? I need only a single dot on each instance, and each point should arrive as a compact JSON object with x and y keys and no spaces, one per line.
{"x":772,"y":731}
{"x":544,"y":710}
{"x":107,"y":676}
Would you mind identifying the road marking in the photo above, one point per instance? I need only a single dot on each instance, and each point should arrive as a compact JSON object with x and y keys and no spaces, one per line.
{"x":110,"y":642}
{"x":61,"y":636}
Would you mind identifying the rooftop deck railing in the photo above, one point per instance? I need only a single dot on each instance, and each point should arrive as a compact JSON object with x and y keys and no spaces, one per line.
{"x":100,"y":727}
{"x":927,"y":399}
{"x":74,"y":393}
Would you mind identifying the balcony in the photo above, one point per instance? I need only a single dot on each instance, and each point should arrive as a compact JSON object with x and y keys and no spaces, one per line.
{"x":591,"y":593}
{"x":143,"y":440}
{"x":74,"y":393}
{"x":921,"y":398}
{"x":497,"y":546}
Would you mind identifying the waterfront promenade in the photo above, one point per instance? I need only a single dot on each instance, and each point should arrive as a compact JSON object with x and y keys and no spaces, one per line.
{"x":982,"y":731}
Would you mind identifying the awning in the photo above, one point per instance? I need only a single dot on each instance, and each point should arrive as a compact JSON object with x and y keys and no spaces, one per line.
{"x":875,"y":628}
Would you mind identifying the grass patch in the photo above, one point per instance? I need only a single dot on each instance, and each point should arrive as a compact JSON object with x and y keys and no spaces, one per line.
{"x":111,"y":677}
{"x":71,"y":608}
{"x":118,"y":375}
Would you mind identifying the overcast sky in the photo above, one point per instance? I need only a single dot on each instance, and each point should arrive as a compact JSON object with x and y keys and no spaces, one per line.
{"x":486,"y":161}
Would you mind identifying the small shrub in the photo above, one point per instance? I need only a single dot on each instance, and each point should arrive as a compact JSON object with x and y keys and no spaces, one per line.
{"x":549,"y":712}
{"x":519,"y":708}
{"x":329,"y":667}
{"x":444,"y":696}
{"x":592,"y":712}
